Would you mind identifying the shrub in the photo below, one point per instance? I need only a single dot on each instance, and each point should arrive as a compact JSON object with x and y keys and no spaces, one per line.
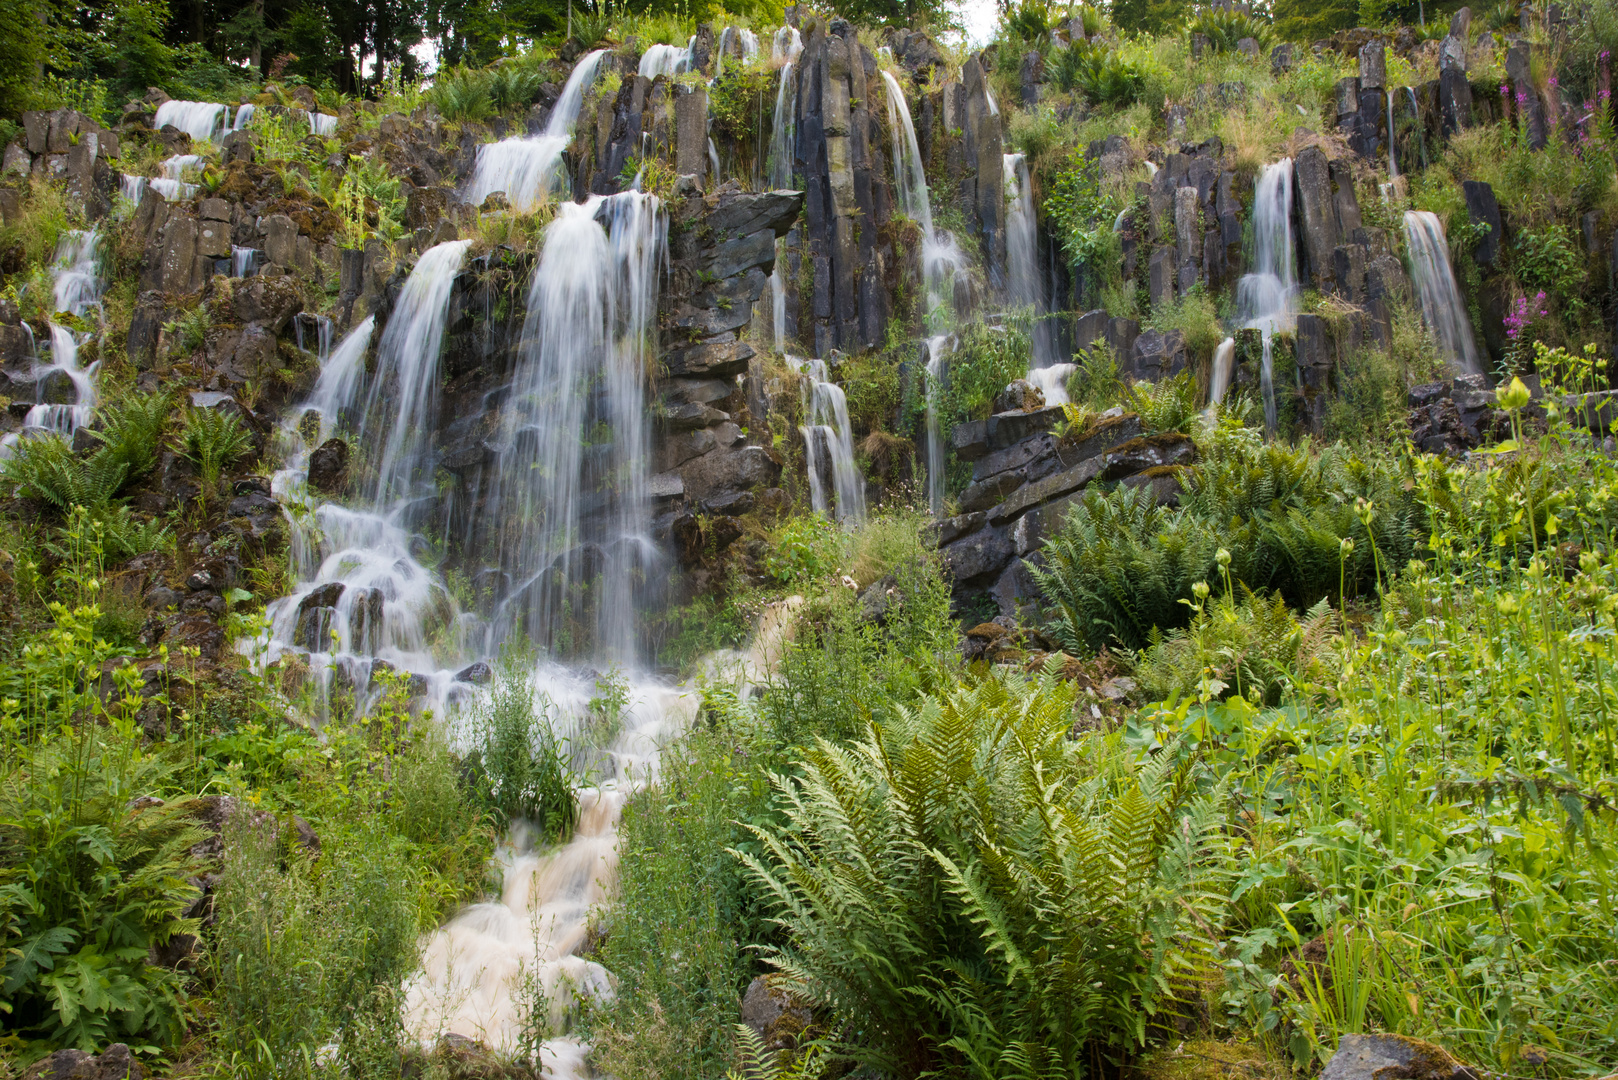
{"x":462,"y":94}
{"x":513,"y":86}
{"x":1098,"y":73}
{"x":213,"y":439}
{"x":1095,"y":382}
{"x":517,"y":765}
{"x":974,"y":890}
{"x":1167,"y":405}
{"x":986,"y":360}
{"x":1224,"y":29}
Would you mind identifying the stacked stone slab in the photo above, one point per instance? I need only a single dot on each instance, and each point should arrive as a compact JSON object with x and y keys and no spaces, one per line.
{"x":61,"y":144}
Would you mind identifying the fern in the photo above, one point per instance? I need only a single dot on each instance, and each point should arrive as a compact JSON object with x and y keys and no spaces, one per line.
{"x":213,"y":439}
{"x":47,"y":469}
{"x":964,"y":878}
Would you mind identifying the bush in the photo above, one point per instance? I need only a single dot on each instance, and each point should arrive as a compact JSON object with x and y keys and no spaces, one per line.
{"x":972,"y":889}
{"x":213,"y":439}
{"x":1098,"y":73}
{"x":1224,"y":29}
{"x":1095,"y":382}
{"x":1167,"y":405}
{"x":463,"y":95}
{"x":517,"y":764}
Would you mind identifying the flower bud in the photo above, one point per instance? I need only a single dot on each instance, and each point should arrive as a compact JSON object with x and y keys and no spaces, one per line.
{"x":1200,"y":590}
{"x":1222,"y":557}
{"x":1512,"y":396}
{"x":1346,"y":546}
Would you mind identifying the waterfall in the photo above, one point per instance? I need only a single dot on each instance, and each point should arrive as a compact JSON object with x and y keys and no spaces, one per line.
{"x":132,"y":187}
{"x":1266,"y":299}
{"x":940,"y":257}
{"x":786,"y":44}
{"x":322,"y":124}
{"x":1393,"y":157}
{"x":402,"y":408}
{"x":1051,"y":381}
{"x":244,"y":116}
{"x":938,"y":349}
{"x":525,"y":169}
{"x":665,"y":60}
{"x":201,"y":120}
{"x":243,"y":260}
{"x":1442,"y":307}
{"x":1026,"y":287}
{"x":784,"y":47}
{"x":365,"y":599}
{"x":1421,"y":135}
{"x":827,"y":433}
{"x":75,"y":290}
{"x":572,"y":472}
{"x":171,"y":183}
{"x":1224,"y":360}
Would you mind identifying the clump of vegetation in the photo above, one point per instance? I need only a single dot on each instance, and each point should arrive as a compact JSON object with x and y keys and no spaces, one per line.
{"x":213,"y":439}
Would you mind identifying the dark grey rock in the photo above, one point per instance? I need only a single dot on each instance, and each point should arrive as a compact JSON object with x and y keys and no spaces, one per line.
{"x":1393,"y":1057}
{"x":478,"y":674}
{"x":1484,"y":209}
{"x":980,"y":555}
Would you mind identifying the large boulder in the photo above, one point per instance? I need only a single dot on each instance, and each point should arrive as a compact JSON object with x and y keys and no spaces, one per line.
{"x":1393,"y":1057}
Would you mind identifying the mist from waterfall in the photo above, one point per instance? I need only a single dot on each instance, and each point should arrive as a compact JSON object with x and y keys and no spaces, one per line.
{"x":828,"y":444}
{"x":1443,"y":308}
{"x":526,"y":168}
{"x":1267,"y":298}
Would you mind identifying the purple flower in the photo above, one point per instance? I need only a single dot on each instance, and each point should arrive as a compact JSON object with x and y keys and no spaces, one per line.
{"x":1554,"y":83}
{"x":1606,"y":95}
{"x":1522,"y":99}
{"x":1604,"y":54}
{"x":1505,"y":91}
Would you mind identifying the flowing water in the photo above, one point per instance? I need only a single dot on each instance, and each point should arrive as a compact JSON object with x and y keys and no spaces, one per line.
{"x":785,"y":48}
{"x":828,"y":443}
{"x":1224,"y":362}
{"x":202,"y":120}
{"x":526,"y":169}
{"x":1026,"y":284}
{"x":1442,"y":307}
{"x":1267,"y":298}
{"x":1051,"y":381}
{"x":243,"y":260}
{"x":244,"y":116}
{"x":1393,"y":157}
{"x":322,"y":124}
{"x":76,"y":291}
{"x":574,"y":534}
{"x":170,"y":181}
{"x":665,"y":60}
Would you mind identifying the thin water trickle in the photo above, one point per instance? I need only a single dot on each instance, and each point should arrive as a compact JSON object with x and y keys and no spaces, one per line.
{"x":1026,"y":287}
{"x":526,"y":169}
{"x":828,"y":441}
{"x":1442,"y":307}
{"x":1266,"y":299}
{"x":1051,"y":381}
{"x":1224,"y":361}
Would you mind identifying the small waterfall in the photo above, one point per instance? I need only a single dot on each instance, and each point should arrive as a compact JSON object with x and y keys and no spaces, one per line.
{"x":244,"y":116}
{"x":827,"y":434}
{"x":132,"y":187}
{"x":1266,"y":299}
{"x":75,"y":290}
{"x":243,"y":260}
{"x":665,"y":60}
{"x":940,"y":257}
{"x":201,"y":120}
{"x":322,"y":124}
{"x":525,"y":169}
{"x":572,"y":472}
{"x":402,"y":408}
{"x":786,"y":44}
{"x":1224,"y":361}
{"x":1393,"y":157}
{"x":784,"y":48}
{"x":938,"y":349}
{"x":171,"y":183}
{"x":1051,"y":381}
{"x":1026,"y":287}
{"x":1442,"y":307}
{"x":1421,"y":135}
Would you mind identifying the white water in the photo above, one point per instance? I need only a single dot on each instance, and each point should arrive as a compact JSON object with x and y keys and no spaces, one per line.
{"x":1026,"y":285}
{"x":940,"y":257}
{"x":201,"y":120}
{"x":242,"y":260}
{"x":665,"y":60}
{"x":525,"y":169}
{"x":1267,"y":298}
{"x":939,"y":347}
{"x":75,"y":290}
{"x":582,"y":549}
{"x":785,"y":44}
{"x":171,"y":182}
{"x":785,"y":47}
{"x":1442,"y":308}
{"x":244,"y":116}
{"x":322,"y":124}
{"x":1224,"y":361}
{"x":1052,"y":382}
{"x":828,"y":435}
{"x":1393,"y":159}
{"x":132,"y":187}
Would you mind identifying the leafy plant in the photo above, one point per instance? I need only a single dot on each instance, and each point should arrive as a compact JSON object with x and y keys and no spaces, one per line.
{"x":518,"y":766}
{"x":213,"y":439}
{"x":462,"y":94}
{"x":1170,"y":404}
{"x":1098,"y":73}
{"x":1036,"y":902}
{"x":1224,"y":29}
{"x":513,"y":85}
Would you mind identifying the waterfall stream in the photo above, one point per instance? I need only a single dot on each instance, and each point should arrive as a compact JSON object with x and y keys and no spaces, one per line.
{"x":939,"y":346}
{"x":202,"y":120}
{"x":828,"y":435}
{"x":76,"y":291}
{"x":1266,"y":299}
{"x":785,"y":48}
{"x":1442,"y":307}
{"x":525,"y":169}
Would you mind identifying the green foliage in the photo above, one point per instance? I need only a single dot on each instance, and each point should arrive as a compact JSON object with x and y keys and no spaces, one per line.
{"x":870,"y":382}
{"x":518,"y":766}
{"x":968,"y":882}
{"x":1307,"y":21}
{"x":807,"y":546}
{"x":1121,"y":567}
{"x":462,"y":94}
{"x":47,"y":469}
{"x":212,"y":440}
{"x":1083,"y":213}
{"x":514,"y":86}
{"x":1168,"y":405}
{"x":1224,"y":29}
{"x":132,"y":431}
{"x":985,"y":361}
{"x":1098,"y":72}
{"x":1095,"y":382}
{"x":1147,"y":16}
{"x":741,"y":99}
{"x":1194,"y":317}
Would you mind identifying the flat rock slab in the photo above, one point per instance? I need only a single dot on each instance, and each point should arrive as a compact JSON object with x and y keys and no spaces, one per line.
{"x":1393,"y":1057}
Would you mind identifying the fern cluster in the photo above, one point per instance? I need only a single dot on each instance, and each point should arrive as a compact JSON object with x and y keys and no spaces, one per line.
{"x":473,"y":94}
{"x":1121,"y":567}
{"x":47,"y":469}
{"x":1166,"y":405}
{"x":1224,"y":29}
{"x":984,"y":896}
{"x":1097,"y":72}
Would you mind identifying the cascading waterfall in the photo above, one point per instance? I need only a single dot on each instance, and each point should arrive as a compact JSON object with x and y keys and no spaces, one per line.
{"x":665,"y":60}
{"x":578,"y":545}
{"x":1421,"y":137}
{"x":785,"y":48}
{"x":244,"y":116}
{"x":243,"y":260}
{"x":171,"y":183}
{"x":132,"y":187}
{"x":828,"y":435}
{"x":402,"y":408}
{"x":525,"y":169}
{"x":1393,"y":157}
{"x":939,"y":346}
{"x":322,"y":124}
{"x":202,"y":120}
{"x":1442,"y":307}
{"x":1026,"y":287}
{"x":1051,"y":381}
{"x":940,"y":257}
{"x":1266,"y":299}
{"x":76,"y":290}
{"x":1224,"y":361}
